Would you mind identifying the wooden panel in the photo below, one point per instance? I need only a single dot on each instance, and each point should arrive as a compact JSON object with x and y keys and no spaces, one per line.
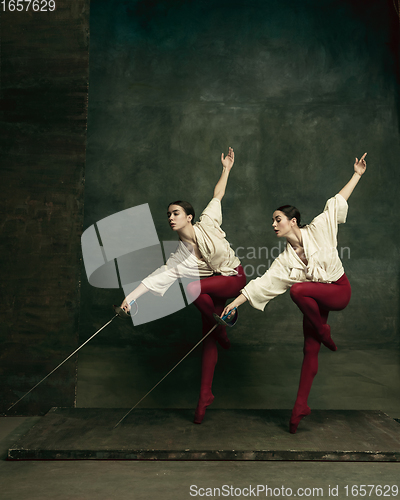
{"x":44,"y":88}
{"x":329,"y":435}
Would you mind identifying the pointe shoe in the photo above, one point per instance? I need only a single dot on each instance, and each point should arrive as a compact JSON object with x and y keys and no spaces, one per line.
{"x":201,"y":409}
{"x":297,"y":415}
{"x":326,"y":338}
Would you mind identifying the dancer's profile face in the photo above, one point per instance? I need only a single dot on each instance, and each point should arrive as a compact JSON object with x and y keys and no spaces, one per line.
{"x":281,"y":224}
{"x":177,"y":217}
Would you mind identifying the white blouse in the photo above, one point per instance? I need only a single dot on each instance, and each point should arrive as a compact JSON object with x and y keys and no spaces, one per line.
{"x":217,"y":254}
{"x":319,"y":243}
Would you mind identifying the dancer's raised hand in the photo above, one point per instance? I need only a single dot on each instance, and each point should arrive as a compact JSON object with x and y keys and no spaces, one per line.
{"x":227,"y":164}
{"x":360,"y":165}
{"x":229,"y":159}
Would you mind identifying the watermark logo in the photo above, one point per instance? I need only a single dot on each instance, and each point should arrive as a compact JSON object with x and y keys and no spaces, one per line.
{"x":121,"y":250}
{"x":262,"y":257}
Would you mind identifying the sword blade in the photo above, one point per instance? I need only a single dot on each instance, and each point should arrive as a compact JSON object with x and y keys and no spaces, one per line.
{"x":66,"y":359}
{"x":165,"y":376}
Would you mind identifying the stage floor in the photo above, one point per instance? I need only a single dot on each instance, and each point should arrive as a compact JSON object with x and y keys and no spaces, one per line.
{"x":168,"y":434}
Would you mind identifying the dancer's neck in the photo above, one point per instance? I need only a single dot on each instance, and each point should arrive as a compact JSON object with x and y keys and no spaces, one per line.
{"x":295,"y":238}
{"x":187,"y":235}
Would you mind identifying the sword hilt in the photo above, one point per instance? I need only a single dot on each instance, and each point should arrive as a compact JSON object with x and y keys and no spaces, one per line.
{"x":123,"y":314}
{"x":223,"y":320}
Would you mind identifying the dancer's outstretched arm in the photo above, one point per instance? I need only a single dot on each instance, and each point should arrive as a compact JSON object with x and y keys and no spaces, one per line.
{"x":360,"y":167}
{"x":227,"y":164}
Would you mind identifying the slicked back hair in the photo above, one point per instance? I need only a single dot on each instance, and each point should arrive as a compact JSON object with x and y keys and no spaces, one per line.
{"x":291,"y":212}
{"x":187,"y":207}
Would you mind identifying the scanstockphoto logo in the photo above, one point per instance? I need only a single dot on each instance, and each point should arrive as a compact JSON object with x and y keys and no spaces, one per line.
{"x":121,"y":250}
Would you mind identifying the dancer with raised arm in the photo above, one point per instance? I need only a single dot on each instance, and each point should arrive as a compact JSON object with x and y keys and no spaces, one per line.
{"x":203,"y":251}
{"x":311,"y":268}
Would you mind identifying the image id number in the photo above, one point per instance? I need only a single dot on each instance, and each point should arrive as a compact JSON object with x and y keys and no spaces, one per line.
{"x":25,"y":5}
{"x":366,"y":490}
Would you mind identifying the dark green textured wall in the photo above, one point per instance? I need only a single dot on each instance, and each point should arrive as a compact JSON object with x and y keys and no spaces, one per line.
{"x":298,"y":89}
{"x":43,"y":112}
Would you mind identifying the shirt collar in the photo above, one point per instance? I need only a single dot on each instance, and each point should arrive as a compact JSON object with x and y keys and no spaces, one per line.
{"x":310,"y":248}
{"x":309,"y":244}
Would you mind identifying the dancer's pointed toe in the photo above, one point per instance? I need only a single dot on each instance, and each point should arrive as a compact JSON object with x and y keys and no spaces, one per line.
{"x":326,"y":338}
{"x":297,"y":414}
{"x":201,"y":409}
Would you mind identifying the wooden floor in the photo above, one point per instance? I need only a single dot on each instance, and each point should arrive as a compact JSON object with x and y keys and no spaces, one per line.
{"x":167,"y":434}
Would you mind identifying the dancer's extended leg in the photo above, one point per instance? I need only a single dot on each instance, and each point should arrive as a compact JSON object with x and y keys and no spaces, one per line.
{"x":208,"y":361}
{"x":214,"y":292}
{"x":311,"y":296}
{"x":315,"y":300}
{"x":309,"y":369}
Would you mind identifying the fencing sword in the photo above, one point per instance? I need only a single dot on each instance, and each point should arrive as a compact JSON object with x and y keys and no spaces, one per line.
{"x":118,"y":313}
{"x":219,"y":321}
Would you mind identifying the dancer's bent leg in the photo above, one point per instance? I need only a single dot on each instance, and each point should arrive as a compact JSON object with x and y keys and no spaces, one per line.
{"x":208,"y":305}
{"x":311,"y":296}
{"x":212,"y":294}
{"x":219,"y":288}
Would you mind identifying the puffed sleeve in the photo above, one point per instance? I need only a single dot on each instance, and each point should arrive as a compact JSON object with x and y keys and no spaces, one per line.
{"x":335,"y":213}
{"x":162,"y":278}
{"x":272,"y":283}
{"x":212,"y":214}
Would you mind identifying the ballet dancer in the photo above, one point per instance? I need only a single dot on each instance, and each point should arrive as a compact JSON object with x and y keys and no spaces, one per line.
{"x":202,"y":251}
{"x":311,"y":268}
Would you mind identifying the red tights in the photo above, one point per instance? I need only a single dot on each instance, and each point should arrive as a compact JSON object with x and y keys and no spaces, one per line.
{"x":213,"y":295}
{"x":314,"y":300}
